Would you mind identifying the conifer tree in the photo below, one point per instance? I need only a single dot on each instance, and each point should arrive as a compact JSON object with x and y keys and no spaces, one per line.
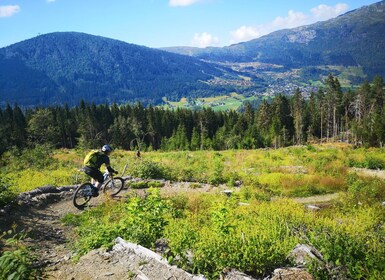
{"x":333,"y":104}
{"x":298,"y":116}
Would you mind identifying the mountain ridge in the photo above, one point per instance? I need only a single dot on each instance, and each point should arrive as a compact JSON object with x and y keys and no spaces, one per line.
{"x":339,"y":41}
{"x":66,"y":67}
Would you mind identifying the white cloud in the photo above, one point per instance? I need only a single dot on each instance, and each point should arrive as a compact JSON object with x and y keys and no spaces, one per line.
{"x":50,"y":1}
{"x":182,"y":3}
{"x":8,"y":11}
{"x":246,"y":33}
{"x":204,"y":39}
{"x":324,"y":12}
{"x":292,"y":20}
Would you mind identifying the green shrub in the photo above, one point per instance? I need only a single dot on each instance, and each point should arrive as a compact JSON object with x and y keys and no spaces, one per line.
{"x":369,"y":162}
{"x":38,"y":157}
{"x":144,"y":184}
{"x":311,"y":148}
{"x":138,"y":185}
{"x":138,"y":220}
{"x":248,"y":193}
{"x":208,"y":233}
{"x":16,"y":264}
{"x":351,"y":244}
{"x":374,"y":163}
{"x":365,"y":191}
{"x":253,"y":238}
{"x":155,"y":184}
{"x":216,"y":177}
{"x":6,"y":194}
{"x":147,"y":169}
{"x":232,"y":178}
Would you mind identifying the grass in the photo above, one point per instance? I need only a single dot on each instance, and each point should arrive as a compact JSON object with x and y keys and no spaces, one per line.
{"x":292,"y":171}
{"x":223,"y":102}
{"x":208,"y":233}
{"x":254,"y":236}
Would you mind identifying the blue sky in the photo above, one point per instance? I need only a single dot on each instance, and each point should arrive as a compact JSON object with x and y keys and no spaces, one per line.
{"x":164,"y":23}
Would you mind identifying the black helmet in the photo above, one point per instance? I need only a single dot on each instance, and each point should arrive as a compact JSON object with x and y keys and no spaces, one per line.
{"x":107,"y":148}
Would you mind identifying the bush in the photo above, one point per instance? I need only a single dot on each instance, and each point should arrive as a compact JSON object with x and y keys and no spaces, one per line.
{"x":39,"y":157}
{"x":138,"y":220}
{"x":216,"y":177}
{"x":369,"y":162}
{"x":365,"y":191}
{"x":138,"y":185}
{"x":155,"y":184}
{"x":17,"y":264}
{"x":374,"y":163}
{"x":351,"y":244}
{"x":147,"y":169}
{"x":145,"y":184}
{"x":6,"y":194}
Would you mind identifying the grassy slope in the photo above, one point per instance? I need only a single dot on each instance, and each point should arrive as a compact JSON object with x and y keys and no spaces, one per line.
{"x":254,"y":237}
{"x":292,"y":171}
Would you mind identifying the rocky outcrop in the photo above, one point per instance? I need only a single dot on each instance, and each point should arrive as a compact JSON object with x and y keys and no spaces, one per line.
{"x":125,"y":261}
{"x":39,"y":197}
{"x":302,"y":254}
{"x":292,"y":273}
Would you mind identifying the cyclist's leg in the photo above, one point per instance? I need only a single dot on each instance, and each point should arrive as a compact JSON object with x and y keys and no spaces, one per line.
{"x":96,"y":175}
{"x":99,"y":179}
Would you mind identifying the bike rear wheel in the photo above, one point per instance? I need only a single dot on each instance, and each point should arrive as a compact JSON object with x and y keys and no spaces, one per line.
{"x":113,"y":186}
{"x":82,"y":195}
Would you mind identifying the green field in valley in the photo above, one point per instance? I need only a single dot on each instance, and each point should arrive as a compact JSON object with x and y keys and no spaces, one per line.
{"x":217,"y":103}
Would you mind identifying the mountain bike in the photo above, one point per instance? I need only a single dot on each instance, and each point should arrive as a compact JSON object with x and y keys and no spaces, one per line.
{"x":111,"y":186}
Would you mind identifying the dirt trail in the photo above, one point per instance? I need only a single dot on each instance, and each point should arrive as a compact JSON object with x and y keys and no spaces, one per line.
{"x":51,"y":240}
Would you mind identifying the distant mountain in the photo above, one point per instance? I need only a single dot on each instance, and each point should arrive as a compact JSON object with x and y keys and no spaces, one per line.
{"x":66,"y":67}
{"x":356,"y":38}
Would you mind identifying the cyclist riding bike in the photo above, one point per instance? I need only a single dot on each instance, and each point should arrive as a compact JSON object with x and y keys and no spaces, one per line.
{"x":92,"y":163}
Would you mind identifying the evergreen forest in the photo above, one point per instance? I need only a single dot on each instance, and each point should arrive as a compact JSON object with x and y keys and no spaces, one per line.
{"x":355,"y":116}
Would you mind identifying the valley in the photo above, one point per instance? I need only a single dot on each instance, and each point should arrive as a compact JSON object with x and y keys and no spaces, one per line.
{"x":67,"y":67}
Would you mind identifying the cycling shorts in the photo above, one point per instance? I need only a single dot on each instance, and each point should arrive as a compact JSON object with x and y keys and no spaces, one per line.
{"x":94,"y":173}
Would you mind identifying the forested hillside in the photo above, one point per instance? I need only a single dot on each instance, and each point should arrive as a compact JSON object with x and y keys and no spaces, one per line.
{"x":329,"y":114}
{"x":65,"y":67}
{"x":353,"y":39}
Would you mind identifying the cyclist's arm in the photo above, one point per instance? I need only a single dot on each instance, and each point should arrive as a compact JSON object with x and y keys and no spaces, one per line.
{"x":109,"y":168}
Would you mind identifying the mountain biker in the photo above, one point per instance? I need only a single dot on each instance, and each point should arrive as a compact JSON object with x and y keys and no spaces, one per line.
{"x":92,"y":163}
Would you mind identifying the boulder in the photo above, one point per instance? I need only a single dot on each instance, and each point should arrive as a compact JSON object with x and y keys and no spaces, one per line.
{"x":147,"y":264}
{"x":292,"y":273}
{"x":234,"y":274}
{"x":302,"y":254}
{"x":312,"y":207}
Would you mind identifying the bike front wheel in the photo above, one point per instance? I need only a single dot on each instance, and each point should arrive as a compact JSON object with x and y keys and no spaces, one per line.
{"x":113,"y":186}
{"x":82,"y":195}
